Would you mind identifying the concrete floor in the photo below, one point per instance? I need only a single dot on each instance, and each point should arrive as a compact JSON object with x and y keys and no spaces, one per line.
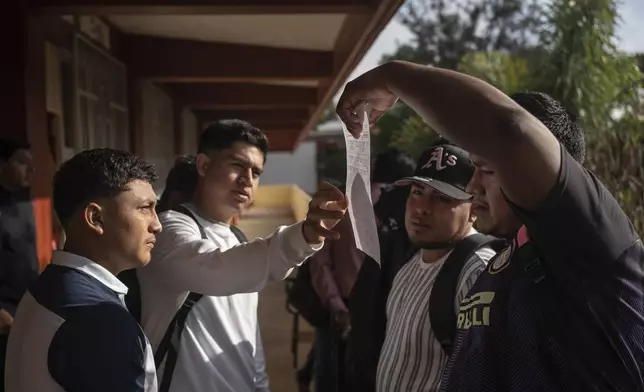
{"x":275,"y":321}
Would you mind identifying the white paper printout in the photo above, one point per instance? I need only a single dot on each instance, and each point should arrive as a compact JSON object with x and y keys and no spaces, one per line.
{"x":358,"y":190}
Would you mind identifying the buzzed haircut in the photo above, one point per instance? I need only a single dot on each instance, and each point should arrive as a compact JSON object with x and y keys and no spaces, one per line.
{"x":560,"y":121}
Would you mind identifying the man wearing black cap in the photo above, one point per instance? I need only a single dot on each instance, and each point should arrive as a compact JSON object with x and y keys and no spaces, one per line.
{"x":438,"y":221}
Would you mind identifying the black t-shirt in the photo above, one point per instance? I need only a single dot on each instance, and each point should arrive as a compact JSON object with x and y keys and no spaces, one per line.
{"x":580,"y":328}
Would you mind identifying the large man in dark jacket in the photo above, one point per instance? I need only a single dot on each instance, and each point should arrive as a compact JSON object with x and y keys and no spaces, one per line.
{"x":18,"y":258}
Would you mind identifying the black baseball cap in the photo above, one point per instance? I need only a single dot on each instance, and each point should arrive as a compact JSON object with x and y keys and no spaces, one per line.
{"x":444,"y":167}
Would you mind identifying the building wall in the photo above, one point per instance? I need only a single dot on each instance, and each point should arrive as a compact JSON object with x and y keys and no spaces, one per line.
{"x":158,"y":132}
{"x":298,"y":167}
{"x":189,"y":132}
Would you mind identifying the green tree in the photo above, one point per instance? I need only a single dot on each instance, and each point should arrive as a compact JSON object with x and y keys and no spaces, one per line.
{"x":505,"y":71}
{"x":582,"y":67}
{"x":413,"y":136}
{"x":447,"y":31}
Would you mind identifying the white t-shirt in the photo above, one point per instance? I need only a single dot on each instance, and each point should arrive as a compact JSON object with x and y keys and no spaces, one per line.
{"x":220,"y":348}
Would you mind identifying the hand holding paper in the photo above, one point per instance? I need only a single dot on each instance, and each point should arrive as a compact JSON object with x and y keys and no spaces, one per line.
{"x":326,"y":208}
{"x":369,"y":88}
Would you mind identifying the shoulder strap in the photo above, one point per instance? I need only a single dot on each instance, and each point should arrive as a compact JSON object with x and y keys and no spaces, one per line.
{"x":238,"y":233}
{"x":169,"y":345}
{"x":442,"y":316}
{"x":185,"y":211}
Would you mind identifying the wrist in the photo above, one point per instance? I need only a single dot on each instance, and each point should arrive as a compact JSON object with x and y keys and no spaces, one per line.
{"x":310,"y":236}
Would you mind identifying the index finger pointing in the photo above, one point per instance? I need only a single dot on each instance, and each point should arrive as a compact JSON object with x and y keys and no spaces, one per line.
{"x":330,"y":191}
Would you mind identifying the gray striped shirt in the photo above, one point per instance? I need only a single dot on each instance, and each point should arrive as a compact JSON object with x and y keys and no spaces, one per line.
{"x":411,"y":358}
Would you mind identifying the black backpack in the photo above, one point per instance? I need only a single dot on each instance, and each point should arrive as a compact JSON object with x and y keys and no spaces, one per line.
{"x":442,"y":316}
{"x":166,"y":347}
{"x":302,"y":298}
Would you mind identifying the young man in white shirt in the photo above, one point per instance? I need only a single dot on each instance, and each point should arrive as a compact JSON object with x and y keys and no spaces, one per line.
{"x":439,"y":221}
{"x":72,"y":330}
{"x":220,"y":346}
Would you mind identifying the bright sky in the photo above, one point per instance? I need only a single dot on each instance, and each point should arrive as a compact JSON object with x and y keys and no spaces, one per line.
{"x":631,"y":33}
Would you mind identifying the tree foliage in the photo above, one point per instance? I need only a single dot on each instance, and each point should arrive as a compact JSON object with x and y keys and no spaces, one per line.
{"x":582,"y":67}
{"x":446,"y":30}
{"x":507,"y":72}
{"x":568,"y":50}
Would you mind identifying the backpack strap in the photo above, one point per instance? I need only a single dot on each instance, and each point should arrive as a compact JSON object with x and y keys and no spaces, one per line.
{"x":239,"y":234}
{"x":169,"y":345}
{"x":442,"y":316}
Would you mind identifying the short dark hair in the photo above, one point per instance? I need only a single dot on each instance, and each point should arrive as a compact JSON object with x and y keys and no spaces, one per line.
{"x":8,"y":147}
{"x":559,"y":120}
{"x":391,"y":165}
{"x":95,"y":174}
{"x":222,"y":134}
{"x":183,"y":175}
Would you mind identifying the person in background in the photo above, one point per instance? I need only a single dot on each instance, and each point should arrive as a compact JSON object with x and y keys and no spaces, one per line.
{"x":72,"y":330}
{"x":199,"y":252}
{"x":563,"y":305}
{"x":368,"y":298}
{"x":333,"y":272}
{"x":18,"y":257}
{"x":180,"y":183}
{"x":386,"y":168}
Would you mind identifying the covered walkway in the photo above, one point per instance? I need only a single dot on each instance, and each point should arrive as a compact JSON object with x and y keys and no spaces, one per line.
{"x":146,"y":75}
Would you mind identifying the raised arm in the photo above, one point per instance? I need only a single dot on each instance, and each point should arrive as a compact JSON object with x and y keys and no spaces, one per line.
{"x":187,"y":262}
{"x":470,"y":112}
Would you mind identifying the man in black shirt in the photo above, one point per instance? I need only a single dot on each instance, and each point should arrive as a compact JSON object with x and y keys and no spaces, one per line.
{"x":563,"y":307}
{"x":18,"y":257}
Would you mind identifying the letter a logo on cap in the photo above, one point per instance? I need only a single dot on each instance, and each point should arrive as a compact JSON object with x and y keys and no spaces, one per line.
{"x":437,"y":159}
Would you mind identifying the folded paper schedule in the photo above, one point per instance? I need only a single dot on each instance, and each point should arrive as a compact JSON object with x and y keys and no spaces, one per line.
{"x":358,"y":190}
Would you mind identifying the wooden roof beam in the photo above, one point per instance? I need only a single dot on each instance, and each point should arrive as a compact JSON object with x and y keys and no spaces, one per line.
{"x":275,"y":126}
{"x":281,"y":140}
{"x":238,"y":96}
{"x":259,"y":116}
{"x":356,"y":36}
{"x":106,"y":7}
{"x":181,"y":60}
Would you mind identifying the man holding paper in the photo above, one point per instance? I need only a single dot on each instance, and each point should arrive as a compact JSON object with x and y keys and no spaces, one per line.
{"x":564,"y":304}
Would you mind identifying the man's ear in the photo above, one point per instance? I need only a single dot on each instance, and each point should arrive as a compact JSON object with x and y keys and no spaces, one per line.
{"x":472,"y":214}
{"x":202,"y":162}
{"x":94,"y":216}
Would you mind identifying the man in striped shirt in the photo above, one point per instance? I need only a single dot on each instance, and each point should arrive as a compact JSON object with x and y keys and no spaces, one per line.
{"x":438,"y":216}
